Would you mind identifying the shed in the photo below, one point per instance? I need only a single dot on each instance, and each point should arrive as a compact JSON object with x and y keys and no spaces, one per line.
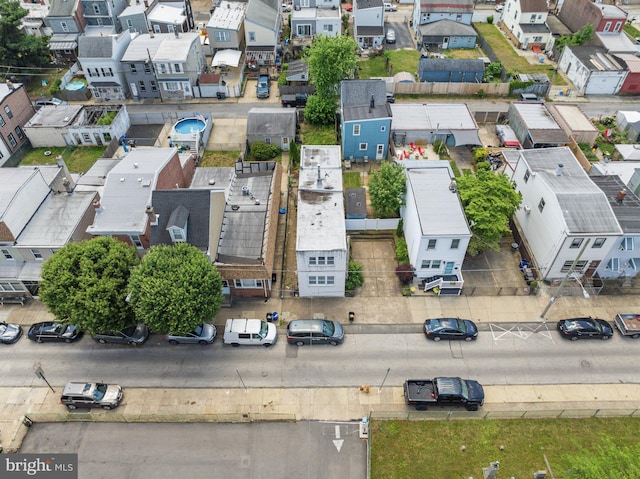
{"x":274,"y":126}
{"x":404,"y":77}
{"x":356,"y":203}
{"x":298,"y":71}
{"x":629,"y":121}
{"x":534,"y":126}
{"x":450,"y":70}
{"x":574,"y":122}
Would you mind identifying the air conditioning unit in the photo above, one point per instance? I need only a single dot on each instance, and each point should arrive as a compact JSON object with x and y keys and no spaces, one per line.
{"x":527,"y":209}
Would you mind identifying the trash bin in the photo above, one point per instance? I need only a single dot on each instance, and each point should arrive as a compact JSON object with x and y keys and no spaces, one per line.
{"x":514,"y":247}
{"x":352,"y":316}
{"x":274,"y":317}
{"x":269,"y":317}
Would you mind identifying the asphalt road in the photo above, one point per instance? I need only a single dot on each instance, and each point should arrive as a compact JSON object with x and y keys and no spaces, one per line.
{"x":503,"y":354}
{"x":304,"y":450}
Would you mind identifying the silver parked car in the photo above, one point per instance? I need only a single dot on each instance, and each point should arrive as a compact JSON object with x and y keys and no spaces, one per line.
{"x":134,"y":335}
{"x":203,"y":334}
{"x":9,"y":333}
{"x":81,"y":394}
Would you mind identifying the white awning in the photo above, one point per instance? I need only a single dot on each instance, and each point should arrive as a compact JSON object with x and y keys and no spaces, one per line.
{"x":227,"y":58}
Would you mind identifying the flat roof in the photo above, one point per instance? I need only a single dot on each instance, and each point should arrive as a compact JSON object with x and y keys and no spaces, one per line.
{"x":13,"y":180}
{"x":583,"y":205}
{"x":321,"y":223}
{"x":325,"y":156}
{"x":433,"y":116}
{"x":54,"y":116}
{"x":163,"y":13}
{"x":627,"y":210}
{"x":430,"y":187}
{"x":175,"y":48}
{"x":144,"y":47}
{"x":228,"y":15}
{"x":56,"y":220}
{"x":575,"y":117}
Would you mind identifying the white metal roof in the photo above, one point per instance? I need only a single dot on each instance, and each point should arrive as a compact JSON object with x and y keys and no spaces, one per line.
{"x":434,"y":116}
{"x":175,"y":48}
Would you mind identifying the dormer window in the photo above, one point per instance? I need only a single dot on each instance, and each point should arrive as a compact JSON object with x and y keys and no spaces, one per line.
{"x":177,"y":224}
{"x":178,"y":235}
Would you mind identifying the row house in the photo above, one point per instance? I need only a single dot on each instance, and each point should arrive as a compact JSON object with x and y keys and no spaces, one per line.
{"x":15,"y":111}
{"x":135,"y":17}
{"x":225,"y":29}
{"x":368,"y":23}
{"x":525,"y":22}
{"x":431,"y":11}
{"x":262,"y":25}
{"x":315,"y":17}
{"x":66,"y":22}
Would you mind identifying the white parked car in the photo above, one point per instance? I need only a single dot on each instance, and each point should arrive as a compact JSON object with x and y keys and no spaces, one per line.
{"x":499,"y":8}
{"x":390,"y":7}
{"x":251,"y":332}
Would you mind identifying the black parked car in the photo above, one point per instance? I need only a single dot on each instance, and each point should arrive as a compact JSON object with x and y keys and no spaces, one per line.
{"x":585,"y":328}
{"x":450,"y":328}
{"x":52,"y":331}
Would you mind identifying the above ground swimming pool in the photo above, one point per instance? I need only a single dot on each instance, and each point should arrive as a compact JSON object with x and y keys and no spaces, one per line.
{"x":75,"y":86}
{"x":188,"y":126}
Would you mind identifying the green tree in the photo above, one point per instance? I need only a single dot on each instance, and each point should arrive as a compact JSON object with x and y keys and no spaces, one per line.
{"x":17,"y":48}
{"x":87,"y":284}
{"x":578,"y":38}
{"x":331,"y":60}
{"x":606,"y":461}
{"x":294,"y":154}
{"x":489,"y":202}
{"x":175,"y":289}
{"x":387,"y":188}
{"x":321,"y":110}
{"x":263,"y":151}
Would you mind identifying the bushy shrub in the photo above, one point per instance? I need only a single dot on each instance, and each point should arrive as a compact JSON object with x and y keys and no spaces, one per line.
{"x":402,"y":252}
{"x":263,"y":151}
{"x":355,"y":278}
{"x":404,"y":272}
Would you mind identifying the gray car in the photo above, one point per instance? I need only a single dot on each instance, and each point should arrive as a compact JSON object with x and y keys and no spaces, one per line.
{"x":134,"y":335}
{"x":314,"y":331}
{"x":203,"y":334}
{"x":82,"y":394}
{"x":9,"y":333}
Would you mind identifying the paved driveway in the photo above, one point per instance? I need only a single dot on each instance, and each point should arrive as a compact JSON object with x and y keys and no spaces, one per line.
{"x":403,"y":36}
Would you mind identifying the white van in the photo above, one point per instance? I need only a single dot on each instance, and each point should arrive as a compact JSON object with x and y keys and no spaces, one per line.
{"x":252,"y":332}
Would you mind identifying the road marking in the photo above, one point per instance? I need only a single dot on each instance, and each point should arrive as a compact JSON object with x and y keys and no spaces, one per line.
{"x":520,"y":331}
{"x":337,"y":429}
{"x":337,"y":441}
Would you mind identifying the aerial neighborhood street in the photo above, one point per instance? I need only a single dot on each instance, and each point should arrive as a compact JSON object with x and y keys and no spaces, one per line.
{"x":255,"y":237}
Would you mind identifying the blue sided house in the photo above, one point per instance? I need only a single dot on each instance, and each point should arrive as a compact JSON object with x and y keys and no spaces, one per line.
{"x":366,"y":120}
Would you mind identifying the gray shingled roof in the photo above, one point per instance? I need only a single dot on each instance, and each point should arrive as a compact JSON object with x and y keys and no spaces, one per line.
{"x":451,"y":64}
{"x":447,"y":27}
{"x":95,"y":47}
{"x":272,"y":121}
{"x":531,"y":6}
{"x":451,"y":6}
{"x":62,"y":8}
{"x":583,"y":205}
{"x":263,"y":12}
{"x":368,"y":3}
{"x":627,"y":211}
{"x":356,"y":99}
{"x":190,"y":203}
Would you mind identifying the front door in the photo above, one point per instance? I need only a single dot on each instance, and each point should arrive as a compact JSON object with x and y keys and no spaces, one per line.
{"x":448,"y":269}
{"x":379,"y":152}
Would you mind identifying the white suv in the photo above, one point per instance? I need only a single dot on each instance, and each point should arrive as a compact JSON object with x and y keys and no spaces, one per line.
{"x":253,"y":332}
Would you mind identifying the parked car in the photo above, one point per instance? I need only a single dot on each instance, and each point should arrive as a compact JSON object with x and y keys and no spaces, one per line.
{"x":203,"y":334}
{"x":628,"y":324}
{"x":530,"y":97}
{"x":390,"y":98}
{"x":585,"y":328}
{"x":82,"y":394}
{"x":390,"y":7}
{"x":499,"y":8}
{"x":349,"y":7}
{"x":391,"y":36}
{"x":52,"y":331}
{"x":507,"y":136}
{"x":314,"y":331}
{"x":263,"y":87}
{"x":251,"y":332}
{"x":450,"y":328}
{"x":286,"y":7}
{"x":134,"y":335}
{"x":9,"y":333}
{"x":48,"y":102}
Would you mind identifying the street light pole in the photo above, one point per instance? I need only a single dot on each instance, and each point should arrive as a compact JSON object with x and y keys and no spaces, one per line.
{"x":564,"y":280}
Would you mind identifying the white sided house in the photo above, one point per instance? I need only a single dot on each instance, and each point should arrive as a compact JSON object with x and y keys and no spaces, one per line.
{"x":321,"y":242}
{"x":565,"y":219}
{"x":435,"y":226}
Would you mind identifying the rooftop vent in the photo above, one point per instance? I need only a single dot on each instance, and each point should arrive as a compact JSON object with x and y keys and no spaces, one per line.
{"x":621,"y":195}
{"x":559,"y":169}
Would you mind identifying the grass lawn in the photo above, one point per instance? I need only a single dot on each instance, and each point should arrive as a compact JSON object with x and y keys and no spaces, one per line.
{"x":400,"y":60}
{"x":36,"y":90}
{"x":509,"y":58}
{"x":632,"y":31}
{"x":216,"y":158}
{"x":78,"y":159}
{"x":318,"y":135}
{"x":432,"y":449}
{"x":351,"y":179}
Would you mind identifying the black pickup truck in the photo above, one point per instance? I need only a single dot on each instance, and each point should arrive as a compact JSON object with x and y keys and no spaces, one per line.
{"x":297,"y":100}
{"x":422,"y":393}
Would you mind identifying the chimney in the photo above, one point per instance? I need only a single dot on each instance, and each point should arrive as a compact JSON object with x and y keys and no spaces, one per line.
{"x":621,"y":195}
{"x":97,"y":206}
{"x":372,"y":104}
{"x":153,"y":218}
{"x":150,"y":31}
{"x":146,"y":4}
{"x":10,"y":85}
{"x":559,"y":169}
{"x":63,"y":181}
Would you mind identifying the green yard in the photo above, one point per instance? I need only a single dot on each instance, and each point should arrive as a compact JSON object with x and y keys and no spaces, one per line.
{"x":220,"y":158}
{"x":318,"y":135}
{"x":351,"y":179}
{"x":78,"y":159}
{"x":433,"y":449}
{"x":398,"y":61}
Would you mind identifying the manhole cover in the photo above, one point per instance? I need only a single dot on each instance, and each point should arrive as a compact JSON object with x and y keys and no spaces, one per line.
{"x":585,"y":364}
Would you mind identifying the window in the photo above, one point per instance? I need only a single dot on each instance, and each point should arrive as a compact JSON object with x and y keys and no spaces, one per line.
{"x":177,"y":68}
{"x":580,"y":265}
{"x":626,"y":244}
{"x":527,"y":174}
{"x":383,"y":128}
{"x":36,"y":254}
{"x":12,"y":139}
{"x":252,"y":36}
{"x":8,"y":111}
{"x":313,"y":261}
{"x":455,"y":244}
{"x":64,"y":26}
{"x":147,"y":67}
{"x":106,"y":72}
{"x":86,"y":137}
{"x":2,"y":122}
{"x":154,"y":85}
{"x":356,"y":130}
{"x":617,"y":27}
{"x":135,"y":240}
{"x":634,"y":263}
{"x":435,"y":264}
{"x":607,"y":26}
{"x":321,"y":280}
{"x":247,"y":283}
{"x":330,"y":261}
{"x":171,"y":86}
{"x":362,"y":147}
{"x":133,"y":68}
{"x":6,"y":254}
{"x":426,"y":264}
{"x":163,"y":68}
{"x":614,"y":264}
{"x":431,"y":244}
{"x":598,"y":242}
{"x":327,"y":28}
{"x":96,"y":9}
{"x":576,"y":242}
{"x":222,"y":36}
{"x":19,"y":132}
{"x":541,"y":205}
{"x":177,"y":235}
{"x":142,"y":86}
{"x":129,"y":25}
